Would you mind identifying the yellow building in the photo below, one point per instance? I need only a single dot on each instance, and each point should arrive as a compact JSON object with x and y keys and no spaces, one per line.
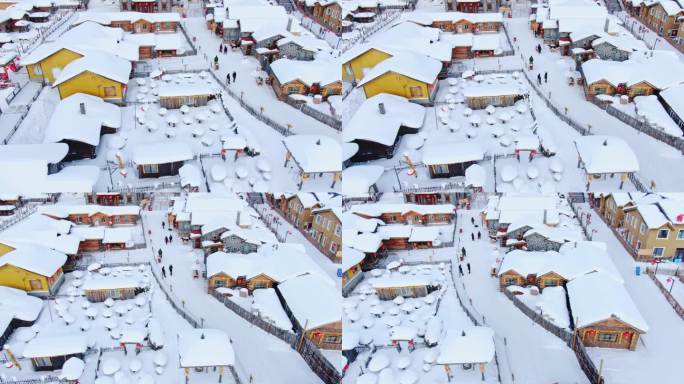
{"x":357,"y":61}
{"x":48,"y":61}
{"x":31,"y":268}
{"x":326,"y":230}
{"x":656,"y":230}
{"x":98,"y":74}
{"x":408,"y":75}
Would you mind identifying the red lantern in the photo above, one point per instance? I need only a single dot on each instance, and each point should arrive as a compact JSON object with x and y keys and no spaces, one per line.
{"x":626,"y":334}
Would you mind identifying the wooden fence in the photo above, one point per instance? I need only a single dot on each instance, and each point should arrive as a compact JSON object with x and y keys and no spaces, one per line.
{"x":24,"y":113}
{"x":666,"y":292}
{"x":586,"y":364}
{"x":309,"y":352}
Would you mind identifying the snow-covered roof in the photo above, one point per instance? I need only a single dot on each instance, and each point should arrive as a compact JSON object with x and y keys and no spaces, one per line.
{"x":88,"y":233}
{"x":670,"y":7}
{"x":314,"y":300}
{"x":650,"y":108}
{"x":190,"y":175}
{"x":117,"y":235}
{"x":17,"y":304}
{"x":108,"y":17}
{"x":309,"y":72}
{"x":570,"y":263}
{"x":111,"y":282}
{"x":64,"y":210}
{"x":280,"y":265}
{"x":253,"y":235}
{"x":52,"y":153}
{"x":49,"y":346}
{"x":358,"y":179}
{"x":486,"y":42}
{"x":177,"y":90}
{"x":377,"y":209}
{"x":267,"y":304}
{"x":68,"y":123}
{"x":399,"y":281}
{"x":476,"y":346}
{"x":34,"y":258}
{"x":415,"y":66}
{"x":451,"y":152}
{"x":490,"y":90}
{"x":162,"y":153}
{"x":427,"y":18}
{"x":351,"y":257}
{"x":606,"y":154}
{"x":624,"y":42}
{"x":596,"y":297}
{"x":427,"y":233}
{"x":398,"y":112}
{"x":306,"y":42}
{"x":315,"y":153}
{"x":642,"y":66}
{"x":104,"y":64}
{"x":674,"y":97}
{"x":205,"y":347}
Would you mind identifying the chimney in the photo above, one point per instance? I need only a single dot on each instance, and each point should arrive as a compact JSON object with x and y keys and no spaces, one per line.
{"x":381,"y":108}
{"x":82,"y":108}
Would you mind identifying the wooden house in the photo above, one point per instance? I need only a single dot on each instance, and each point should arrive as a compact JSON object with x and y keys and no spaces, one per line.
{"x":19,"y":310}
{"x":502,"y":95}
{"x":91,"y":238}
{"x":391,"y":116}
{"x":299,"y":211}
{"x":409,"y":75}
{"x":236,"y":271}
{"x":161,"y":159}
{"x":49,"y":353}
{"x":467,"y":6}
{"x":407,"y":213}
{"x":329,"y":14}
{"x":604,"y":314}
{"x":352,"y":273}
{"x":174,"y":96}
{"x":304,"y":77}
{"x":7,"y":210}
{"x":94,"y":215}
{"x":31,"y":268}
{"x":357,"y":60}
{"x":205,"y":350}
{"x":98,"y":74}
{"x":326,"y":231}
{"x":314,"y":155}
{"x":117,"y":288}
{"x":47,"y":61}
{"x":655,"y":230}
{"x":663,"y":16}
{"x":388,"y":288}
{"x":323,"y":326}
{"x":451,"y":158}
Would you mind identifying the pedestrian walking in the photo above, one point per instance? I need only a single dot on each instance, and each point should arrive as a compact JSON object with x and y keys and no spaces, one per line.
{"x":468,"y":265}
{"x":163,"y":272}
{"x":166,"y":240}
{"x":220,"y":47}
{"x":538,"y":79}
{"x":159,"y":252}
{"x":170,"y":239}
{"x":234,"y":75}
{"x":472,"y":220}
{"x":463,"y":251}
{"x":227,"y":79}
{"x":546,"y":77}
{"x":479,"y":235}
{"x":472,"y":236}
{"x":171,"y":270}
{"x":460,"y":269}
{"x":163,"y":224}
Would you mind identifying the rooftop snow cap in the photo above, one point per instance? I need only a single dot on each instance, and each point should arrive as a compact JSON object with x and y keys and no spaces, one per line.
{"x":381,"y":108}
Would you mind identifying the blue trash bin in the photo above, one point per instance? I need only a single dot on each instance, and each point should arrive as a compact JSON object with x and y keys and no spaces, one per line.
{"x":638,"y":270}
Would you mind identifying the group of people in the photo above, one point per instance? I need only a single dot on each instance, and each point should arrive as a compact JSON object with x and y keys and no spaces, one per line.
{"x":463,"y":249}
{"x":167,"y":239}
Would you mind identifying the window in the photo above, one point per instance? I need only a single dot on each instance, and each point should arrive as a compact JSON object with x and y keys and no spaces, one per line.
{"x":292,"y":89}
{"x":333,"y":248}
{"x":219,"y":283}
{"x":607,"y":337}
{"x":110,"y":91}
{"x":338,"y":231}
{"x":331,"y":339}
{"x":663,"y":233}
{"x":680,"y":234}
{"x":416,"y":91}
{"x":550,"y":283}
{"x":318,"y":219}
{"x":440,"y":169}
{"x":260,"y":284}
{"x":658,"y":251}
{"x":36,"y":284}
{"x":151,"y":168}
{"x":642,"y":228}
{"x":404,"y":291}
{"x":117,"y":219}
{"x":37,"y":69}
{"x":42,"y":361}
{"x":511,"y":281}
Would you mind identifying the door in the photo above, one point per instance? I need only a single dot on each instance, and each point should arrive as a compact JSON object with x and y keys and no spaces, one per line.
{"x":679,"y":253}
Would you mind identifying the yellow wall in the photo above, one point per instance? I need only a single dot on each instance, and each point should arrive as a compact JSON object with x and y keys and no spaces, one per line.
{"x":367,"y":60}
{"x":5,"y":248}
{"x":59,"y":60}
{"x":395,"y":84}
{"x":14,"y":277}
{"x":92,"y":84}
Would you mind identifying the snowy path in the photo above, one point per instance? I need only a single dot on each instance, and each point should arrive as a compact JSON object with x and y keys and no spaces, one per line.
{"x":285,"y":230}
{"x":253,"y":346}
{"x":256,"y":95}
{"x":650,"y":152}
{"x":528,"y":343}
{"x":661,"y":348}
